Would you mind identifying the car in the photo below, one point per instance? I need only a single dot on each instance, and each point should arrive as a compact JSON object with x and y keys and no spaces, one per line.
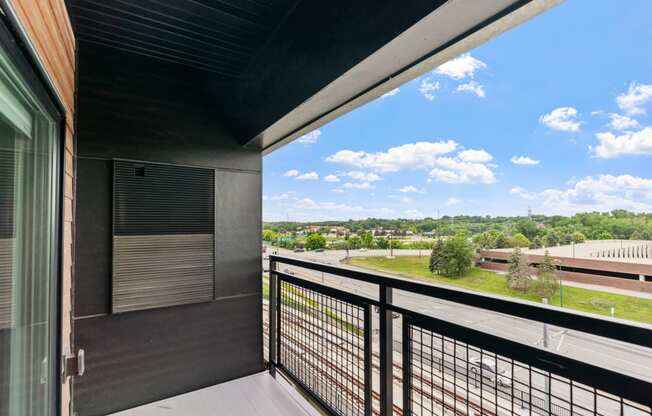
{"x":299,"y":250}
{"x":363,"y":250}
{"x":289,"y":271}
{"x":319,"y":250}
{"x":487,"y":367}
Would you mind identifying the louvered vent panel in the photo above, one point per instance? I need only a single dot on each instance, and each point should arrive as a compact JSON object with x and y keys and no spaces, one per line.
{"x":7,"y":230}
{"x":163,"y":236}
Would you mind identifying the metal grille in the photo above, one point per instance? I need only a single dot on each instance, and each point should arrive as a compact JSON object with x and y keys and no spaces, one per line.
{"x":323,"y":346}
{"x":448,"y":377}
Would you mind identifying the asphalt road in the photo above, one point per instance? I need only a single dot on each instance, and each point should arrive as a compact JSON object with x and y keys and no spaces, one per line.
{"x":615,"y":355}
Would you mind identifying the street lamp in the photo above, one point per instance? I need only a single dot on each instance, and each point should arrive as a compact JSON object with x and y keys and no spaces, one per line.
{"x":561,"y":283}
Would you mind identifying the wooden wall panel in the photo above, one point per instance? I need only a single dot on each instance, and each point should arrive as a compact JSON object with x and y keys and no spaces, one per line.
{"x":50,"y":34}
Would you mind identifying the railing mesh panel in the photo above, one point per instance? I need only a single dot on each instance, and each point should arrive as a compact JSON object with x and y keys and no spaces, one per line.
{"x":449,"y":377}
{"x":322,"y":346}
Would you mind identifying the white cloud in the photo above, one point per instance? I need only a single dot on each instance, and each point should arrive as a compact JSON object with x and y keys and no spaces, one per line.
{"x":522,"y":193}
{"x":595,"y":193}
{"x":413,"y":213}
{"x":363,"y":176}
{"x":264,"y":197}
{"x":472,"y":155}
{"x":291,"y":173}
{"x":283,"y":196}
{"x":628,"y":143}
{"x":310,"y":138}
{"x":562,"y":118}
{"x":408,"y":156}
{"x":524,"y":160}
{"x":308,"y":176}
{"x":455,"y":170}
{"x":620,"y":122}
{"x":406,"y":199}
{"x":331,"y":178}
{"x":409,"y":188}
{"x":391,"y":93}
{"x":461,"y":67}
{"x":597,"y":112}
{"x":335,"y":210}
{"x":358,"y":185}
{"x":633,"y":100}
{"x":452,"y":201}
{"x":428,"y":88}
{"x":473,"y":87}
{"x":338,"y":190}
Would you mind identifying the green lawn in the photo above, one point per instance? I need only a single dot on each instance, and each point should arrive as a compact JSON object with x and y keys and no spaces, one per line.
{"x":627,"y":307}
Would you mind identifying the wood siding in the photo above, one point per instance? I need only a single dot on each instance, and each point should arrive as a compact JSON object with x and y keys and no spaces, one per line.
{"x":47,"y":25}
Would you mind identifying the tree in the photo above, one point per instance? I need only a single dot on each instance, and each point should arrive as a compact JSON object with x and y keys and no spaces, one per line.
{"x":578,"y":237}
{"x":501,"y":241}
{"x":528,"y":228}
{"x":269,"y":235}
{"x":381,"y":242}
{"x":547,"y":282}
{"x":518,"y":275}
{"x":519,"y":240}
{"x":551,"y":239}
{"x":453,"y":257}
{"x":315,"y":241}
{"x":536,"y":243}
{"x":355,"y":242}
{"x":367,"y":240}
{"x":436,"y":256}
{"x":604,"y":235}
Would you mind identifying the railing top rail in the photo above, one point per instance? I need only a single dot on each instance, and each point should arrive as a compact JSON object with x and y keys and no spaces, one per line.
{"x":634,"y":333}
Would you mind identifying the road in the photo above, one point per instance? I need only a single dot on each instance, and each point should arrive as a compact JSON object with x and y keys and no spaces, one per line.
{"x":607,"y":353}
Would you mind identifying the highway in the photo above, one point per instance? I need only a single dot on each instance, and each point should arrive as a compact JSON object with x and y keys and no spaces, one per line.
{"x":615,"y":355}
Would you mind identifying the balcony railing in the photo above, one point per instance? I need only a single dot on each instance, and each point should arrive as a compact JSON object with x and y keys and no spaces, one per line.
{"x":322,"y":338}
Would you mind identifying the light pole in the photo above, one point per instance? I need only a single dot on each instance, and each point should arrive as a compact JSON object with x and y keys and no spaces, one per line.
{"x":561,"y":283}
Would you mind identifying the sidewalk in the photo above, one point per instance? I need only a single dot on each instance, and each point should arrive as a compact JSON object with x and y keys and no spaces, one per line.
{"x":609,"y":289}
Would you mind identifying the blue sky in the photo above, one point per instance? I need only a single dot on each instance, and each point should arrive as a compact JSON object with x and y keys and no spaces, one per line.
{"x":555,"y":114}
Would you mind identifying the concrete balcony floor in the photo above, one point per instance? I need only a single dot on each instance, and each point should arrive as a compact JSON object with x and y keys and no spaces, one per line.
{"x":258,"y":394}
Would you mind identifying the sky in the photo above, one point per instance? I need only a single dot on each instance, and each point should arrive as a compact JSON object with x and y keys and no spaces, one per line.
{"x":554,"y":115}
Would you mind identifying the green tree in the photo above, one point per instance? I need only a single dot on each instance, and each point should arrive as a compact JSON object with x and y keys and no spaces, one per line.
{"x":551,"y":239}
{"x":604,"y":235}
{"x":536,"y":243}
{"x":367,"y":240}
{"x":454,"y":257}
{"x":436,"y":255}
{"x":578,"y":237}
{"x":382,"y":243}
{"x":547,"y":283}
{"x":355,"y":242}
{"x":528,"y":228}
{"x":519,"y":240}
{"x":315,"y":241}
{"x":269,"y":235}
{"x":500,"y":241}
{"x":518,"y":274}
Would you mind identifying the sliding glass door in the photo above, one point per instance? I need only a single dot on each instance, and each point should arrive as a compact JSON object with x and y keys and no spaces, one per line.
{"x":29,"y":195}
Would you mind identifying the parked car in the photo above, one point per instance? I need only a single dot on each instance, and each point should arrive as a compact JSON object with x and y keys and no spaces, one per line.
{"x":289,"y":271}
{"x":487,"y":367}
{"x":319,"y":250}
{"x":299,"y":250}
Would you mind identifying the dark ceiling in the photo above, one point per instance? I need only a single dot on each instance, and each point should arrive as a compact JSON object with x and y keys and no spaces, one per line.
{"x":250,"y":62}
{"x":220,"y":36}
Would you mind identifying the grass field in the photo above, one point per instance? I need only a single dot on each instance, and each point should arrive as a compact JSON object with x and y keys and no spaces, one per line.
{"x":626,"y":307}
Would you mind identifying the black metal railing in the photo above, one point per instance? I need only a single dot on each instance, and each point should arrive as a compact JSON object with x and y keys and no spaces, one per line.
{"x":321,"y":337}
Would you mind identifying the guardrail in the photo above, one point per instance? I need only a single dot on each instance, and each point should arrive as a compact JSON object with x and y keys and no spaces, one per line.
{"x":321,"y":337}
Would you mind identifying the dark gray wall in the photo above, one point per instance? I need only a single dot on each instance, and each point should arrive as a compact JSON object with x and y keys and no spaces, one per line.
{"x":133,"y":107}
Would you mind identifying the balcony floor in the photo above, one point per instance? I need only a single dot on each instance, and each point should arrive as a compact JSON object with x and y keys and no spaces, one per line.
{"x":259,"y":394}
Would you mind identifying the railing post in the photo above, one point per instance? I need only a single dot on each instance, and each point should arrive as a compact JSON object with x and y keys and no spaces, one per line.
{"x":272,"y":316}
{"x":407,"y":367}
{"x":386,"y":353}
{"x":368,"y":363}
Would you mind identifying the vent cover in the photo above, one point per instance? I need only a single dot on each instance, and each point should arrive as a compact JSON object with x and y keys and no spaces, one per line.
{"x":7,"y":238}
{"x":163,"y":236}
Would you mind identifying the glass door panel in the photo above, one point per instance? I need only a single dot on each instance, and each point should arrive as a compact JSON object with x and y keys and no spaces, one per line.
{"x":28,"y":221}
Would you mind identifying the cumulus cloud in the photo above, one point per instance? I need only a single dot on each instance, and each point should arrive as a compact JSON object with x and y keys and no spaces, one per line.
{"x":284,"y":196}
{"x":335,"y":210}
{"x":337,"y":190}
{"x":628,"y":143}
{"x":461,"y":67}
{"x":391,"y":93}
{"x":358,"y":185}
{"x":363,"y":176}
{"x":308,"y":176}
{"x":331,"y":178}
{"x":620,"y":122}
{"x":428,"y":88}
{"x":596,"y":193}
{"x":517,"y":190}
{"x":455,"y":170}
{"x":524,"y":160}
{"x":632,"y":101}
{"x":452,"y":201}
{"x":562,"y":118}
{"x":473,"y":155}
{"x":291,"y":173}
{"x":409,"y":188}
{"x":472,"y":87}
{"x":310,"y":138}
{"x":408,"y":156}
